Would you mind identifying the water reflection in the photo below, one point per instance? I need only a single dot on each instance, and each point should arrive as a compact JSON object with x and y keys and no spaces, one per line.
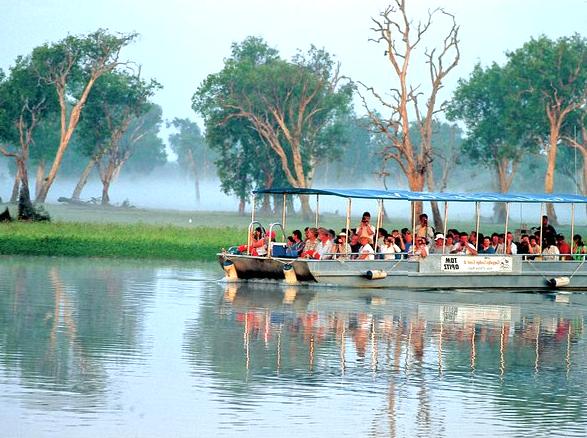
{"x":517,"y":364}
{"x":62,"y":323}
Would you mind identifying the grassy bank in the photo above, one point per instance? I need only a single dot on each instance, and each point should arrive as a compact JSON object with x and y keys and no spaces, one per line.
{"x":116,"y":240}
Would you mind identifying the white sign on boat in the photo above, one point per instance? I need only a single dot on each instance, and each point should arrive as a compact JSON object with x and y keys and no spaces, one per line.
{"x":476,"y":264}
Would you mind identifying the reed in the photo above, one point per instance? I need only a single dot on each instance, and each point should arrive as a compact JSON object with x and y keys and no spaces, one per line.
{"x":139,"y":241}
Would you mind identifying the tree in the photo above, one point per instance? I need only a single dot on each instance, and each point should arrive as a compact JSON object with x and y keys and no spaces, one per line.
{"x":72,"y":66}
{"x":553,"y":75}
{"x":289,"y":104}
{"x":24,"y":102}
{"x":489,"y":104}
{"x":116,"y":100}
{"x":190,"y":148}
{"x":394,"y":30}
{"x":574,"y":137}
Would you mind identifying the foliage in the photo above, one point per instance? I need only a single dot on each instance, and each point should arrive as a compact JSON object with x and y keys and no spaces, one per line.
{"x":116,"y":240}
{"x":189,"y":144}
{"x":283,"y":109}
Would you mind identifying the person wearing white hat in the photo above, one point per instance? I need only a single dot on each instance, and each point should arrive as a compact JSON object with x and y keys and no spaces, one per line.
{"x":436,"y":248}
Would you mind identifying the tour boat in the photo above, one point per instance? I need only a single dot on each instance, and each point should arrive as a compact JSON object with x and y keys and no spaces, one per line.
{"x":436,"y":271}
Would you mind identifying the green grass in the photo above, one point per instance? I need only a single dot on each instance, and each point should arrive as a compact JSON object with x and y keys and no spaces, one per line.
{"x":141,"y":241}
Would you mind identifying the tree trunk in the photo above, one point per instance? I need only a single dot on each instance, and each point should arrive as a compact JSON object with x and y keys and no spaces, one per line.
{"x":416,"y":184}
{"x":306,"y":210}
{"x":438,"y":223}
{"x":25,"y":206}
{"x":195,"y":174}
{"x":505,"y":175}
{"x":197,"y":188}
{"x":83,"y":180}
{"x":15,"y":187}
{"x":39,"y":176}
{"x":105,"y":196}
{"x":66,"y":133}
{"x":241,"y":207}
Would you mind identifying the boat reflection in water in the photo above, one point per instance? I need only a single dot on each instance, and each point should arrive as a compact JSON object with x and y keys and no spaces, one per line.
{"x":454,"y":360}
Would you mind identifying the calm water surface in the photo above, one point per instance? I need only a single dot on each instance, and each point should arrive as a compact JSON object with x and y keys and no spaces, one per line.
{"x":115,"y":348}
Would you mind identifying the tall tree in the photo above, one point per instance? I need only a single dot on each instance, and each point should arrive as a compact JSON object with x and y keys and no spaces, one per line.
{"x":116,"y":100}
{"x":489,"y":104}
{"x":72,"y":66}
{"x":394,"y":29}
{"x":553,"y":75}
{"x":289,"y":104}
{"x":24,"y":102}
{"x":191,"y":149}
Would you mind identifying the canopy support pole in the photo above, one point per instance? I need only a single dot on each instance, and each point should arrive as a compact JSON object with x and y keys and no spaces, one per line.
{"x":572,"y":227}
{"x":507,"y":219}
{"x":317,"y":209}
{"x":283,"y":212}
{"x":348,"y":220}
{"x":541,"y":227}
{"x":249,"y":237}
{"x":445,"y":225}
{"x":378,"y":222}
{"x":413,"y":222}
{"x":478,"y":212}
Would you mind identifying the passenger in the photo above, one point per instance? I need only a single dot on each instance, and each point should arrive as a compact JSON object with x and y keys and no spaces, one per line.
{"x":439,"y":245}
{"x":473,"y":238}
{"x":463,"y":247}
{"x":389,"y":249}
{"x":449,"y":244}
{"x":500,"y":244}
{"x":324,"y":248}
{"x":524,"y":246}
{"x":311,"y":243}
{"x":423,"y":229}
{"x":579,"y":249}
{"x":419,"y":250}
{"x":298,"y":244}
{"x":365,"y":228}
{"x":550,"y":251}
{"x":547,"y":229}
{"x":486,"y":247}
{"x":398,"y":240}
{"x":342,"y":249}
{"x":366,"y":251}
{"x":494,"y":242}
{"x":258,"y":243}
{"x":534,"y":247}
{"x":381,"y":237}
{"x":563,"y":247}
{"x":355,"y":245}
{"x":510,"y":247}
{"x":407,"y":236}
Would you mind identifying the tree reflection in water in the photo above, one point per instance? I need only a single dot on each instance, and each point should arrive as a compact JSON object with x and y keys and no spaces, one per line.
{"x":519,"y":356}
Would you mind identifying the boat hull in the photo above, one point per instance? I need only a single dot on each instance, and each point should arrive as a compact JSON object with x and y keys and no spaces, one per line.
{"x":426,"y":274}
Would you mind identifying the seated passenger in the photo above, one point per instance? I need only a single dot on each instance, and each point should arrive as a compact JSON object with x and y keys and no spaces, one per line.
{"x":486,"y":247}
{"x":311,"y":243}
{"x":324,"y":247}
{"x":389,"y":249}
{"x":407,"y":238}
{"x":297,"y":246}
{"x":534,"y":247}
{"x":550,"y":251}
{"x":439,"y":245}
{"x":258,"y":243}
{"x":419,"y":250}
{"x":341,"y":249}
{"x":510,"y":247}
{"x":463,"y":247}
{"x":579,"y":249}
{"x":366,"y":250}
{"x":563,"y":247}
{"x":355,"y":245}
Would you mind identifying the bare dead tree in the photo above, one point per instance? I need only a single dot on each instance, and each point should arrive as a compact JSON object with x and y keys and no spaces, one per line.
{"x":395,"y":31}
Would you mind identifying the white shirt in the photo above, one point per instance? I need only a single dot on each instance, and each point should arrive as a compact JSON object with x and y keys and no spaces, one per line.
{"x":324,"y":249}
{"x":366,"y":249}
{"x":389,"y":251}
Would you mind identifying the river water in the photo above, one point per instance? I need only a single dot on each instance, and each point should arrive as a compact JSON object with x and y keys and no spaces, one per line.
{"x":113,"y":348}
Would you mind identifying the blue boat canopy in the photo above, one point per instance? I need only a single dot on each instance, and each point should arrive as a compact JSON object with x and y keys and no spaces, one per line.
{"x":405,"y":195}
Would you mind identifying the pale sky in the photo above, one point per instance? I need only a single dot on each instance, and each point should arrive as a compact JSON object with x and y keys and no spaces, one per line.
{"x":182,"y":41}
